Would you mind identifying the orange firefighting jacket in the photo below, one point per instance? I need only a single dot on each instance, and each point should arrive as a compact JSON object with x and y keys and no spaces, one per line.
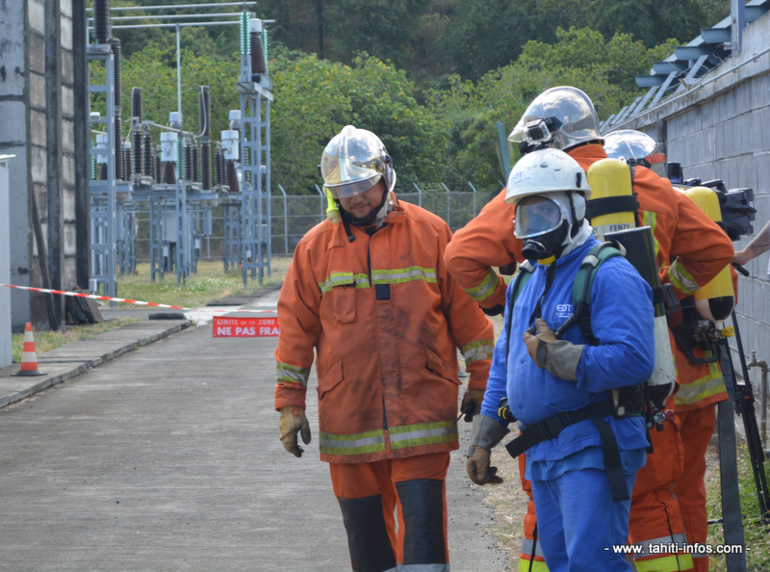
{"x":680,"y":228}
{"x":386,"y":320}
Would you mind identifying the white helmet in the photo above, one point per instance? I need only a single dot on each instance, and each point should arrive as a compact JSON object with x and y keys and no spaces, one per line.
{"x":354,"y":161}
{"x":545,"y":171}
{"x":561,"y":117}
{"x":550,"y":190}
{"x":635,"y":148}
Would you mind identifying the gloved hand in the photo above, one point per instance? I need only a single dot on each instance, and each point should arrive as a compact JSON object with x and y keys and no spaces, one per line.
{"x":479,"y":470}
{"x":486,"y":433}
{"x":495,"y":310}
{"x":471,"y":403}
{"x":559,"y":357}
{"x":293,"y":420}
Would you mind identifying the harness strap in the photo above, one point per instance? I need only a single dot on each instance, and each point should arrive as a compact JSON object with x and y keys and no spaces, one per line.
{"x":550,"y":428}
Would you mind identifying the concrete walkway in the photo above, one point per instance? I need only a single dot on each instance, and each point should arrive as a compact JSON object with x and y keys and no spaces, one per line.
{"x":168,"y":458}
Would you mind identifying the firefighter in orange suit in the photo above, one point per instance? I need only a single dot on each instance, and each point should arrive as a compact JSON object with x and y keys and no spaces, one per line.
{"x":368,"y":291}
{"x":701,"y":387}
{"x":564,"y":117}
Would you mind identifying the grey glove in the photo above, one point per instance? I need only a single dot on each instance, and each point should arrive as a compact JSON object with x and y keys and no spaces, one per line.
{"x":559,"y":357}
{"x":293,"y":421}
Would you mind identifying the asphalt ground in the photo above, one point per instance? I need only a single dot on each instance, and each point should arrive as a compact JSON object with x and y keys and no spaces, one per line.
{"x":155,"y":447}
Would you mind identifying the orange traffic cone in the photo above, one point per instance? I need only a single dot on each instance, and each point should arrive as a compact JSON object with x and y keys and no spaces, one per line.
{"x":28,"y":355}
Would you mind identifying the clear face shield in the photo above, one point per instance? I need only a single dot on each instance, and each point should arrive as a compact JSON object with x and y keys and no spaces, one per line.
{"x":352,"y":163}
{"x":636,"y":148}
{"x":537,"y":215}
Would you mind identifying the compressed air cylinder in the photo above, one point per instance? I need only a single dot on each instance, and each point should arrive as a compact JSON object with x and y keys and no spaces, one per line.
{"x":610,"y":180}
{"x":640,"y":252}
{"x":715,"y":300}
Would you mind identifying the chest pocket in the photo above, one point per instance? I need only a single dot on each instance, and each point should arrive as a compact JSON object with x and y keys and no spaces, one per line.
{"x":343,"y":297}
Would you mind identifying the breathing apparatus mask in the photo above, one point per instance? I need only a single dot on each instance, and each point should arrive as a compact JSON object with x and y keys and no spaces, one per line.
{"x":549,"y":189}
{"x":545,"y":223}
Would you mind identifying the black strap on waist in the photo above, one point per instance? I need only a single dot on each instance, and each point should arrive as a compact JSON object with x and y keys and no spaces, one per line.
{"x":551,"y":427}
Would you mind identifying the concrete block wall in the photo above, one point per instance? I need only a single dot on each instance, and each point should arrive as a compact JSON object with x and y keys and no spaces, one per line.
{"x":720,"y":129}
{"x":37,"y":112}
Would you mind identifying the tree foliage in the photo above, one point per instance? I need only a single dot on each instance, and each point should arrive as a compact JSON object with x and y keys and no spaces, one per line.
{"x":432,"y":78}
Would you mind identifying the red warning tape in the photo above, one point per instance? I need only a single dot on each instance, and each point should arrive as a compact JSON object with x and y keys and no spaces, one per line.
{"x":126,"y":300}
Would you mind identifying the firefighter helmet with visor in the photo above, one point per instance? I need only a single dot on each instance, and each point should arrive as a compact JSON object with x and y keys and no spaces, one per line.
{"x":560,"y":117}
{"x":354,"y":161}
{"x":635,"y":148}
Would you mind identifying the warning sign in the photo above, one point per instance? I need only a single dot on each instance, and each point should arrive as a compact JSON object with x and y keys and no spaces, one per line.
{"x":245,"y":327}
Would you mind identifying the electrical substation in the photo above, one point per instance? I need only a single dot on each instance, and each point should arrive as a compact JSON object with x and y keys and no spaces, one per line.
{"x":176,"y":174}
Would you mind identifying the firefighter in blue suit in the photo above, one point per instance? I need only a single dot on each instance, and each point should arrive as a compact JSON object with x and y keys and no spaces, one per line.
{"x":577,"y":400}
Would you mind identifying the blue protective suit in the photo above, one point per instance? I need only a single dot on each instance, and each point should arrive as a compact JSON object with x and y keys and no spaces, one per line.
{"x":622,"y":320}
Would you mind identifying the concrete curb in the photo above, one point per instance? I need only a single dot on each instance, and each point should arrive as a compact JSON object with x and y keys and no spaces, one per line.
{"x":67,"y":362}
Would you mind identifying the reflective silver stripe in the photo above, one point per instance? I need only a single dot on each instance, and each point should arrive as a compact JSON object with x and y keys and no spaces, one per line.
{"x":478,"y":349}
{"x":357,"y":444}
{"x":344,"y":278}
{"x":422,"y":567}
{"x":485,"y":289}
{"x":679,"y":539}
{"x":681,"y":278}
{"x":526,"y":548}
{"x":285,"y":373}
{"x":423,"y":434}
{"x":401,"y":275}
{"x":698,"y":390}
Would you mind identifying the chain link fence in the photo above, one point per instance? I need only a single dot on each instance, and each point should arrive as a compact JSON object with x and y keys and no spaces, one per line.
{"x":292,"y":215}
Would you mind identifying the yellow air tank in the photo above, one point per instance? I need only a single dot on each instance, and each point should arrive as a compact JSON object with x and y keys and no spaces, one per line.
{"x":716,"y":299}
{"x":609,"y":210}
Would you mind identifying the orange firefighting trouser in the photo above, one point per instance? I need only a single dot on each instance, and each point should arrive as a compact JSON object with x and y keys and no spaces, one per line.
{"x":697,"y":429}
{"x":655,"y":514}
{"x":370,"y":496}
{"x":531,"y":557}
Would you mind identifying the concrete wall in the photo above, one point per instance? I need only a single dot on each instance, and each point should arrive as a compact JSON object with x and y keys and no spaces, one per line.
{"x":719,"y":128}
{"x":37,"y":112}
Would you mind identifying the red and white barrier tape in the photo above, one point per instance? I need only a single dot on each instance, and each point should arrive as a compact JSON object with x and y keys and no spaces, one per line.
{"x":127,"y":301}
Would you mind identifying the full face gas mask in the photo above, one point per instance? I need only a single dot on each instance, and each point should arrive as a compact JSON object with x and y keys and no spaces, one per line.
{"x":543,"y":225}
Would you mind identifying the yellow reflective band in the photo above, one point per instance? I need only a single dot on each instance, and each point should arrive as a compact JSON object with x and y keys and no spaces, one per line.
{"x":711,"y":384}
{"x":344,"y":279}
{"x":477,"y":350}
{"x":357,"y":444}
{"x":651,"y":219}
{"x":526,"y":565}
{"x":669,"y":563}
{"x":485,"y":289}
{"x":401,"y":275}
{"x":285,"y":373}
{"x":422,"y":434}
{"x":681,"y":278}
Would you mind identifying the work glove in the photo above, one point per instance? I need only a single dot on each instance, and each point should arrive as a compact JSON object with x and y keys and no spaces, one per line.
{"x":559,"y":357}
{"x":293,"y":420}
{"x":495,"y":310}
{"x":479,"y":470}
{"x":471,"y":403}
{"x":485,"y":434}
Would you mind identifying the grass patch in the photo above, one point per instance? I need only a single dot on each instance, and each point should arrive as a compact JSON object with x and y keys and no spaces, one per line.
{"x":208,"y":284}
{"x":755,"y":532}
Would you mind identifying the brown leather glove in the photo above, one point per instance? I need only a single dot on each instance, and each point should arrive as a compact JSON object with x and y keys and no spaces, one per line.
{"x":559,"y":357}
{"x":479,"y":470}
{"x":538,"y":341}
{"x":471,"y":403}
{"x":293,"y":420}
